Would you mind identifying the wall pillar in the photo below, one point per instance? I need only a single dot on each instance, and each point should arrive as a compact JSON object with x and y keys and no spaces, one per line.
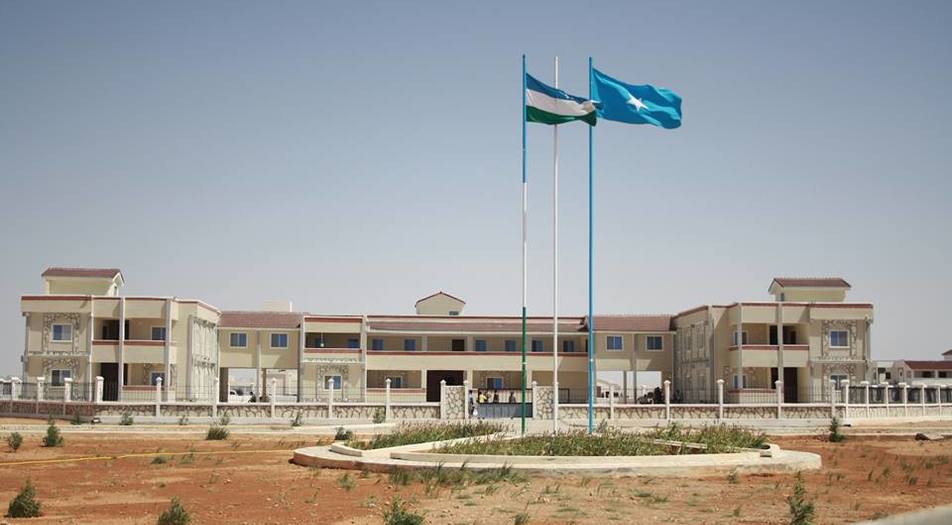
{"x":158,"y":392}
{"x":443,"y":399}
{"x":832,"y":398}
{"x":272,"y":395}
{"x":39,"y":394}
{"x":922,"y":398}
{"x":259,"y":381}
{"x":778,"y":385}
{"x":667,"y":400}
{"x":67,"y":392}
{"x":611,"y":401}
{"x":466,"y":384}
{"x":535,"y":401}
{"x":122,"y":352}
{"x":26,"y":344}
{"x":98,"y":395}
{"x":215,"y":398}
{"x":905,"y":399}
{"x":168,"y":348}
{"x":886,"y":397}
{"x":938,"y":397}
{"x":386,"y":401}
{"x":846,"y":398}
{"x":866,"y":396}
{"x":720,"y":399}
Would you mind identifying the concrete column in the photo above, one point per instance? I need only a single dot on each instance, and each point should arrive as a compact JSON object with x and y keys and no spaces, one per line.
{"x":122,"y":342}
{"x":667,"y":400}
{"x":466,"y":399}
{"x":425,"y":344}
{"x":215,"y":398}
{"x":611,"y":401}
{"x":443,"y":399}
{"x":720,"y":399}
{"x":922,"y":398}
{"x":26,"y":343}
{"x":938,"y":397}
{"x":158,"y":392}
{"x":330,"y":397}
{"x":272,"y":396}
{"x":624,"y":387}
{"x":866,"y":396}
{"x":905,"y":399}
{"x":778,"y":385}
{"x":846,"y":398}
{"x":886,"y":397}
{"x":67,"y":392}
{"x":386,"y":401}
{"x":832,"y":398}
{"x":470,"y":343}
{"x":98,"y":395}
{"x":40,"y":394}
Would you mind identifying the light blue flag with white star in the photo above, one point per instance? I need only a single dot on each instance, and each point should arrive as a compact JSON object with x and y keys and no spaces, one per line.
{"x":634,"y":104}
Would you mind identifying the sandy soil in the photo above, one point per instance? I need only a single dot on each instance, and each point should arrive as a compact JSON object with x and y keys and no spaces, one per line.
{"x":248,"y":479}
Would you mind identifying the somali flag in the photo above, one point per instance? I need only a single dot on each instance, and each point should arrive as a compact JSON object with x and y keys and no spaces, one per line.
{"x":634,"y":104}
{"x":549,"y":105}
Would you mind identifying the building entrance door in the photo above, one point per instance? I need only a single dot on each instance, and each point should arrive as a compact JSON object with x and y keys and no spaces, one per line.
{"x":433,"y":378}
{"x":110,"y":381}
{"x":790,"y":387}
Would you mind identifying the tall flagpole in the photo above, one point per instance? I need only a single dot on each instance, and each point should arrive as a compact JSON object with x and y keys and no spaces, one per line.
{"x":525,"y":244}
{"x":591,"y":252}
{"x":555,"y":266}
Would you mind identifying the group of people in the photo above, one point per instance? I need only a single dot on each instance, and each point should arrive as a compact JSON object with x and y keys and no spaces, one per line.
{"x":656,"y":396}
{"x":483,"y":397}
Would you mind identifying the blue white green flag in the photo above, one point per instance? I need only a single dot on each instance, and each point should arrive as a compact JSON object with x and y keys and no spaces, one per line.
{"x":549,"y":105}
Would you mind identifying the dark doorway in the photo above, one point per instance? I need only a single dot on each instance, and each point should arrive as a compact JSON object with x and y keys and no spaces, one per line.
{"x":433,"y":378}
{"x":789,"y":335}
{"x":790,"y":387}
{"x":458,"y":345}
{"x":110,"y":381}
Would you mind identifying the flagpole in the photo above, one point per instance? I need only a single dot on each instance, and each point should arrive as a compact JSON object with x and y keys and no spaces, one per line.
{"x":591,"y":300}
{"x":555,"y":266}
{"x":525,"y":207}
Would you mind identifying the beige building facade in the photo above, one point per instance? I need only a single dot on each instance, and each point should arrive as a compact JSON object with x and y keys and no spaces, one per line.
{"x":81,"y":327}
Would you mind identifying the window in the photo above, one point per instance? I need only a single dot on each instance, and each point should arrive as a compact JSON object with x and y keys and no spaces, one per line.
{"x":279,"y":340}
{"x":353,"y":343}
{"x":454,"y":312}
{"x":494,"y":383}
{"x":480,"y":345}
{"x":654,"y":343}
{"x":409,"y":345}
{"x":155,"y":378}
{"x":538,"y":345}
{"x":458,"y":345}
{"x":568,"y":346}
{"x":335,"y":378}
{"x":734,"y":338}
{"x":62,"y":333}
{"x":510,"y":345}
{"x":615,"y":343}
{"x":158,"y":333}
{"x":839,"y":338}
{"x":395,"y":381}
{"x":58,"y":375}
{"x":376,"y":344}
{"x":238,"y":340}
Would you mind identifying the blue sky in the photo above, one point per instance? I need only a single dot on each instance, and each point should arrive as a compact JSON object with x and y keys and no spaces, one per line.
{"x":353,"y":157}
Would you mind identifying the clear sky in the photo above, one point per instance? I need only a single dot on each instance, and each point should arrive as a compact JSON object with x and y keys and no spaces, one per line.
{"x":353,"y":157}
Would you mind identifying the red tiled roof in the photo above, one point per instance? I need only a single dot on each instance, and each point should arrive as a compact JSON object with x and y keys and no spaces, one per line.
{"x":260,"y":319}
{"x":99,"y":273}
{"x":929,"y":365}
{"x":812,"y":282}
{"x":947,"y":352}
{"x":633,"y":323}
{"x":441,"y":292}
{"x":477,"y":324}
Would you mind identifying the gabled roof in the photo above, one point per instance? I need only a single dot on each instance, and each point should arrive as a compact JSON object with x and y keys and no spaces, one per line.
{"x":441,"y":292}
{"x":260,"y":319}
{"x":95,"y":273}
{"x":812,"y":282}
{"x":633,"y":323}
{"x":929,"y":365}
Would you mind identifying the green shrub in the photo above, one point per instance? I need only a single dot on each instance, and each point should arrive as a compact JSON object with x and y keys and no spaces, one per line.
{"x":14,"y":440}
{"x":216,"y":433}
{"x":380,"y":415}
{"x":25,"y":504}
{"x":802,"y":511}
{"x":346,"y":482}
{"x":835,"y":435}
{"x":53,"y":437}
{"x":410,"y":434}
{"x":175,"y":514}
{"x":399,"y":514}
{"x":298,"y":419}
{"x":343,"y":434}
{"x":76,"y":419}
{"x":160,"y":460}
{"x":126,"y":419}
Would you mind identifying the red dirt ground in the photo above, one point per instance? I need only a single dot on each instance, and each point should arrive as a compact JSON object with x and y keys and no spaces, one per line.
{"x":248,"y":479}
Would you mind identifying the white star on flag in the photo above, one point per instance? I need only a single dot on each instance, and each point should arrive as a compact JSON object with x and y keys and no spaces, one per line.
{"x":635,"y":102}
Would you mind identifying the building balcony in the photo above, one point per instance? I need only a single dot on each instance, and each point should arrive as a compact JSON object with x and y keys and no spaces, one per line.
{"x":794,"y":356}
{"x":134,"y":351}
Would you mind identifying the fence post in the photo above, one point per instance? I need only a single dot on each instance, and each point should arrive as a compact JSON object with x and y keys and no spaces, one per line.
{"x":330,"y":399}
{"x":386,"y":400}
{"x":886,"y":396}
{"x":442,"y":399}
{"x":97,"y":397}
{"x":922,"y":398}
{"x":667,"y":400}
{"x":274,"y":394}
{"x":905,"y":399}
{"x":846,"y":398}
{"x":466,"y":399}
{"x":39,"y":394}
{"x":611,"y":402}
{"x":67,"y":392}
{"x":778,"y":384}
{"x":720,"y":399}
{"x":938,"y":397}
{"x":832,"y":398}
{"x":158,"y":396}
{"x":215,"y":396}
{"x":14,"y":390}
{"x":866,"y":396}
{"x":535,"y":399}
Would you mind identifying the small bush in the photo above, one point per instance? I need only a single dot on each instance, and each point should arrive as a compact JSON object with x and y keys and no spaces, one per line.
{"x":346,"y":482}
{"x":298,"y":419}
{"x":399,"y":514}
{"x":14,"y":440}
{"x":53,"y":437}
{"x":126,"y":419}
{"x":76,"y":419}
{"x":521,"y":519}
{"x":224,"y":420}
{"x":160,"y":460}
{"x":25,"y":504}
{"x":183,"y":420}
{"x":343,"y":434}
{"x":835,"y":435}
{"x":175,"y":514}
{"x":802,"y":511}
{"x":216,"y":433}
{"x":380,"y":415}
